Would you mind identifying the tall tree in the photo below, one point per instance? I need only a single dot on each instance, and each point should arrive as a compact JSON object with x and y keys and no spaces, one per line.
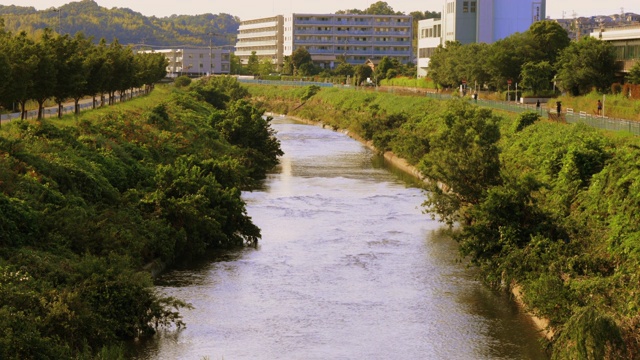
{"x":23,"y":60}
{"x":634,"y":74}
{"x":380,"y":8}
{"x":5,"y":67}
{"x":586,"y":64}
{"x":537,"y":76}
{"x":253,"y":63}
{"x":70,"y":65}
{"x":235,"y":66}
{"x":46,"y":79}
{"x":300,"y":57}
{"x":99,"y":72}
{"x":362,"y":72}
{"x":506,"y":57}
{"x":549,"y":38}
{"x":463,"y":160}
{"x":265,"y":67}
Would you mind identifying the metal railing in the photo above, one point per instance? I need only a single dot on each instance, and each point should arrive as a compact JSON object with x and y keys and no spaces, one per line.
{"x":285,"y":83}
{"x":571,"y":117}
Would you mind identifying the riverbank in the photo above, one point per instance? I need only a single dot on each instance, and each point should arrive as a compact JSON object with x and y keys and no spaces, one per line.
{"x":557,"y":216}
{"x":88,"y":201}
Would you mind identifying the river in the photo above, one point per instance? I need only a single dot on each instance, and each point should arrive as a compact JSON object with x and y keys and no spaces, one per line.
{"x":349,"y":267}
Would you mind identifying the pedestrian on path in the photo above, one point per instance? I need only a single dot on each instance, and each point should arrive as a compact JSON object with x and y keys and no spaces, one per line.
{"x":599,"y":108}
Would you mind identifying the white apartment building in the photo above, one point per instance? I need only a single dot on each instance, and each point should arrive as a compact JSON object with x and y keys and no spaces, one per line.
{"x":357,"y":38}
{"x":264,"y":36}
{"x":196,"y":61}
{"x":476,"y":21}
{"x":429,"y":38}
{"x":328,"y":38}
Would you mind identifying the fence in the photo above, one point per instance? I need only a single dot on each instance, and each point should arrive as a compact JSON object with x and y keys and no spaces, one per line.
{"x":605,"y":123}
{"x":285,"y":83}
{"x":66,"y":109}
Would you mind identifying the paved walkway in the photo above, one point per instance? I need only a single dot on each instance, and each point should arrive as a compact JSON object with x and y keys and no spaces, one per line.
{"x":68,"y":108}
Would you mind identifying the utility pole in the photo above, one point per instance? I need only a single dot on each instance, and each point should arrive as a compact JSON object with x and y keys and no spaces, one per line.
{"x":59,"y":29}
{"x":211,"y":35}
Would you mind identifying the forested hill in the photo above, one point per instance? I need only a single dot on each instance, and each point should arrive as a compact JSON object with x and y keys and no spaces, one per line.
{"x":128,"y":26}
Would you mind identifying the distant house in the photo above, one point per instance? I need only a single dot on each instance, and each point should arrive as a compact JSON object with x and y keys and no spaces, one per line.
{"x":196,"y":61}
{"x":475,"y":21}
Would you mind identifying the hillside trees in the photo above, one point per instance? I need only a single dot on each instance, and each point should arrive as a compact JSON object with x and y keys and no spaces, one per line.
{"x":128,"y":26}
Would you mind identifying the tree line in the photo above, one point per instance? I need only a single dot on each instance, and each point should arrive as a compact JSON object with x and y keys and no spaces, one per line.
{"x":300,"y":64}
{"x":63,"y":68}
{"x":128,"y":26}
{"x":540,"y":60}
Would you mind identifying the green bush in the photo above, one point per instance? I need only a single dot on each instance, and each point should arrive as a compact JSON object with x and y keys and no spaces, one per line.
{"x":182,"y":81}
{"x":525,"y":119}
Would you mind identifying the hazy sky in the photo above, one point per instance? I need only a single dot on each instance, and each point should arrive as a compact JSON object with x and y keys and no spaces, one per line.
{"x":249,"y":9}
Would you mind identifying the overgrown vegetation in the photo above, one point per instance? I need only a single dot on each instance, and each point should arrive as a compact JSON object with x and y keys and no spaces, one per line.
{"x":551,"y":207}
{"x":86,"y":204}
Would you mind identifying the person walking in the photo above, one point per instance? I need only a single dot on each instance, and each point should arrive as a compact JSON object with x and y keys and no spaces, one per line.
{"x":599,"y":108}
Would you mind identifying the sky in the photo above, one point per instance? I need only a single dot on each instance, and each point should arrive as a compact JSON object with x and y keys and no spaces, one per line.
{"x":252,"y":9}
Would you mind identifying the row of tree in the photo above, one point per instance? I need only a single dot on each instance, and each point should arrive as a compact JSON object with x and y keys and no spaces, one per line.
{"x":538,"y":60}
{"x":300,"y":63}
{"x":61,"y":68}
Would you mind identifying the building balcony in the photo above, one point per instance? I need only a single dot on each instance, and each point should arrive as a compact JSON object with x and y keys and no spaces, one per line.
{"x":246,"y":44}
{"x":268,"y":24}
{"x":271,"y":34}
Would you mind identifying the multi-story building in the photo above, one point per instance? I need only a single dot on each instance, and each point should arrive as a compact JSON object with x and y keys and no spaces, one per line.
{"x":264,"y":36}
{"x":353,"y":37}
{"x":626,"y":42}
{"x":196,"y":61}
{"x":476,"y":21}
{"x":429,"y":38}
{"x":327,"y":38}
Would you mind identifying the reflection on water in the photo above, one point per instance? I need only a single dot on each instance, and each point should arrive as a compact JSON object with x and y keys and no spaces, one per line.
{"x":348,"y":268}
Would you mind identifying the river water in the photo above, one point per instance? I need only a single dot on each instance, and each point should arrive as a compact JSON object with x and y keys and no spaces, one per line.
{"x":348,"y":267}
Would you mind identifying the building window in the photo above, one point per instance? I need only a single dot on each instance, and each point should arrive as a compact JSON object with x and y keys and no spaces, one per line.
{"x":473,"y":7}
{"x":465,"y":6}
